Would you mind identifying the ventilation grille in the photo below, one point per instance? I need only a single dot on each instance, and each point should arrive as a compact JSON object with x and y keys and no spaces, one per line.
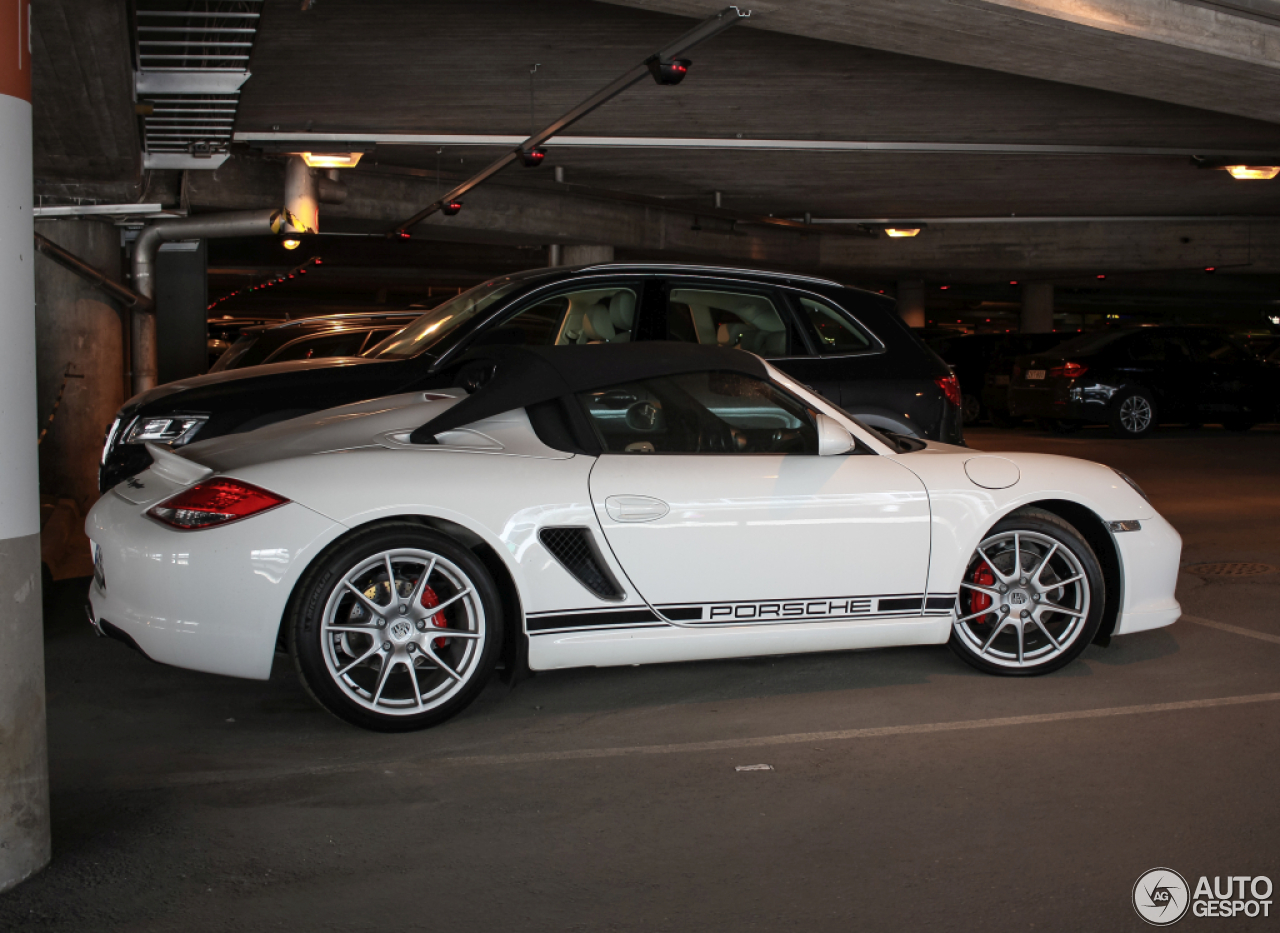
{"x":576,"y":550}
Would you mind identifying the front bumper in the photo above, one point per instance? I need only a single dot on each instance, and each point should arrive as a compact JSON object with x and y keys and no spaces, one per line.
{"x":1061,"y":399}
{"x":209,"y":600}
{"x":1149,"y":561}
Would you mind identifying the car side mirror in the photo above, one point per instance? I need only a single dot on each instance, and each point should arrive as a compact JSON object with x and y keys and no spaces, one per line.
{"x":833,"y":438}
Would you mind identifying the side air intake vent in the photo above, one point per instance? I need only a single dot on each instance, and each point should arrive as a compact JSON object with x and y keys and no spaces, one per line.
{"x":576,"y":551}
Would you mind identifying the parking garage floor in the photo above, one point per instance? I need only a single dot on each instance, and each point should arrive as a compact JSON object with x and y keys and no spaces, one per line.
{"x":906,"y":790}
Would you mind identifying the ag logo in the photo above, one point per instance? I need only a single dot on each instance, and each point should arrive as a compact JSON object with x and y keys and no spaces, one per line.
{"x":1161,"y":896}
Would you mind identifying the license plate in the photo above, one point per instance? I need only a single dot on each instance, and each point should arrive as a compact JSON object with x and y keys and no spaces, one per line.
{"x":1035,"y":373}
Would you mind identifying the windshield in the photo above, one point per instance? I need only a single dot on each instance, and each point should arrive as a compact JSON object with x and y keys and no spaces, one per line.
{"x":443,"y":320}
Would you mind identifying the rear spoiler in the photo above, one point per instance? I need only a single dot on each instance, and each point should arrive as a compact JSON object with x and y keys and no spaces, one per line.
{"x":171,"y":466}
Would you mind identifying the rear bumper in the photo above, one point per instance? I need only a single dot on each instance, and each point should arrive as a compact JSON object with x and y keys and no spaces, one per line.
{"x":209,"y":600}
{"x":1064,"y":400}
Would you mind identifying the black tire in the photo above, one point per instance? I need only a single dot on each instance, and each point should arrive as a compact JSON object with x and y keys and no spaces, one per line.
{"x":1133,"y":413}
{"x":448,"y":672}
{"x":986,"y":636}
{"x":1238,"y":423}
{"x":1003,"y":418}
{"x":970,"y":408}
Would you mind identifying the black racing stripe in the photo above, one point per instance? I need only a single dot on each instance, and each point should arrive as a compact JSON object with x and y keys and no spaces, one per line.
{"x":584,"y":619}
{"x":682,"y":613}
{"x":940,"y":602}
{"x":910,"y":604}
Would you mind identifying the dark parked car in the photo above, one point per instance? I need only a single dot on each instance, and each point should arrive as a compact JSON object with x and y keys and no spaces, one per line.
{"x":995,"y":382}
{"x":1136,"y":378}
{"x":849,"y":345}
{"x":312,"y":338}
{"x":979,"y":361}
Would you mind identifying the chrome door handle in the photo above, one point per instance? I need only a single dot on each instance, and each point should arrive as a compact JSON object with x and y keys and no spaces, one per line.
{"x":635,"y":508}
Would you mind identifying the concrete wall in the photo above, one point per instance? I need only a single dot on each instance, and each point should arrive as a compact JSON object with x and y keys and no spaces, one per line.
{"x":79,"y":331}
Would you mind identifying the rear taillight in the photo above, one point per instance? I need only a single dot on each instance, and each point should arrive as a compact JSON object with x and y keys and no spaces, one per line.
{"x":950,"y":387}
{"x":214,"y":502}
{"x":1068,"y":370}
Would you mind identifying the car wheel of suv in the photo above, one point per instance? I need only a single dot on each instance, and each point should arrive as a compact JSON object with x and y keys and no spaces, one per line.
{"x":1031,"y":599}
{"x":970,"y":408}
{"x":396,"y":629}
{"x":1133,"y":413}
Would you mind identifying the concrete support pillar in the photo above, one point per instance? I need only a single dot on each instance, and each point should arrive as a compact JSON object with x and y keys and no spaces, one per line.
{"x":182,"y":300}
{"x":80,"y":349}
{"x":553,"y":256}
{"x":1037,"y":308}
{"x":911,"y":302}
{"x":24,"y":770}
{"x":301,"y":200}
{"x":586,"y":255}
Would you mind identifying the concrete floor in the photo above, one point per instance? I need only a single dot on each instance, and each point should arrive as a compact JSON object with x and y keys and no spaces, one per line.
{"x":609,"y":800}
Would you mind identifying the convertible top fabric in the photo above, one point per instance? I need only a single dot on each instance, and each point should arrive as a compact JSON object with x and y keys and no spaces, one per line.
{"x":517,"y":377}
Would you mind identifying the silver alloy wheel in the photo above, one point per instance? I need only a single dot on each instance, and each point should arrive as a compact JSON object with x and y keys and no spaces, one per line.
{"x":403,"y":631}
{"x":1034,"y":607}
{"x":1136,"y":414}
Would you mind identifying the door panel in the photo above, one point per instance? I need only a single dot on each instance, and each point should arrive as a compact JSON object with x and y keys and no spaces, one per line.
{"x":768,"y":538}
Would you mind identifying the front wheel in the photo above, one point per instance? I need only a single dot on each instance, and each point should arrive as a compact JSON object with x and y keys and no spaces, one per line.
{"x":1031,"y":599}
{"x":398,"y":628}
{"x":970,"y":408}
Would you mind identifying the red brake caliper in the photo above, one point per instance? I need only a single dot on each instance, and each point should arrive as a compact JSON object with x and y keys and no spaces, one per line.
{"x":981,"y":602}
{"x":429,"y":601}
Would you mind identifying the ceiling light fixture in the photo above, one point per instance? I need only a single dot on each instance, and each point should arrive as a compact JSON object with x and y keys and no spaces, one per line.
{"x":290,"y":243}
{"x":1253,"y":172}
{"x":332,"y":159}
{"x":901,"y":231}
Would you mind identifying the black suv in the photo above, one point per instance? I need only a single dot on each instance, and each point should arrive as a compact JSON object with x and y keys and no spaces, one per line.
{"x":1135,"y":378}
{"x":849,"y":345}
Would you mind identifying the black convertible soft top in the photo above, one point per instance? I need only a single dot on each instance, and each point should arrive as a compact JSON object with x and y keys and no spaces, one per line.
{"x":507,"y":378}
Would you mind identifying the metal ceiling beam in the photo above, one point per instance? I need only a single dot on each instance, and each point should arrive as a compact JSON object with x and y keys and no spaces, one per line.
{"x":709,"y":27}
{"x":772,"y":145}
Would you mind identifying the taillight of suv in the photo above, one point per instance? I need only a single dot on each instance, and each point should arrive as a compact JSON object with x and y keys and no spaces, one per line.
{"x":1067,"y":370}
{"x":950,"y":387}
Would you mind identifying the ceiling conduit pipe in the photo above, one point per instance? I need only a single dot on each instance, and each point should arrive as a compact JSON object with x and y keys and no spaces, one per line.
{"x":207,"y":227}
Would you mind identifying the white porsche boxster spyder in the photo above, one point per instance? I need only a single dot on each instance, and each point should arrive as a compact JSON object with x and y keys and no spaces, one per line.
{"x":609,"y":505}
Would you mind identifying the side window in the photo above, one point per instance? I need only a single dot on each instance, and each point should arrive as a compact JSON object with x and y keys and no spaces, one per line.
{"x":727,"y":319}
{"x":700,"y":413}
{"x":598,"y":315}
{"x":1146,"y":348}
{"x":1218,"y":349}
{"x":318,"y":347}
{"x":833,"y":331}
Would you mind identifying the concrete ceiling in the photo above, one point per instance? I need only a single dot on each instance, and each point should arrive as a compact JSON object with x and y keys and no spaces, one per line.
{"x":1108,"y":73}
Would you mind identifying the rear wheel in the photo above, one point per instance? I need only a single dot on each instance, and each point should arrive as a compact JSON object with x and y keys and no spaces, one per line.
{"x":970,"y":408}
{"x":1031,"y":599}
{"x":1133,"y":413}
{"x":397,"y":629}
